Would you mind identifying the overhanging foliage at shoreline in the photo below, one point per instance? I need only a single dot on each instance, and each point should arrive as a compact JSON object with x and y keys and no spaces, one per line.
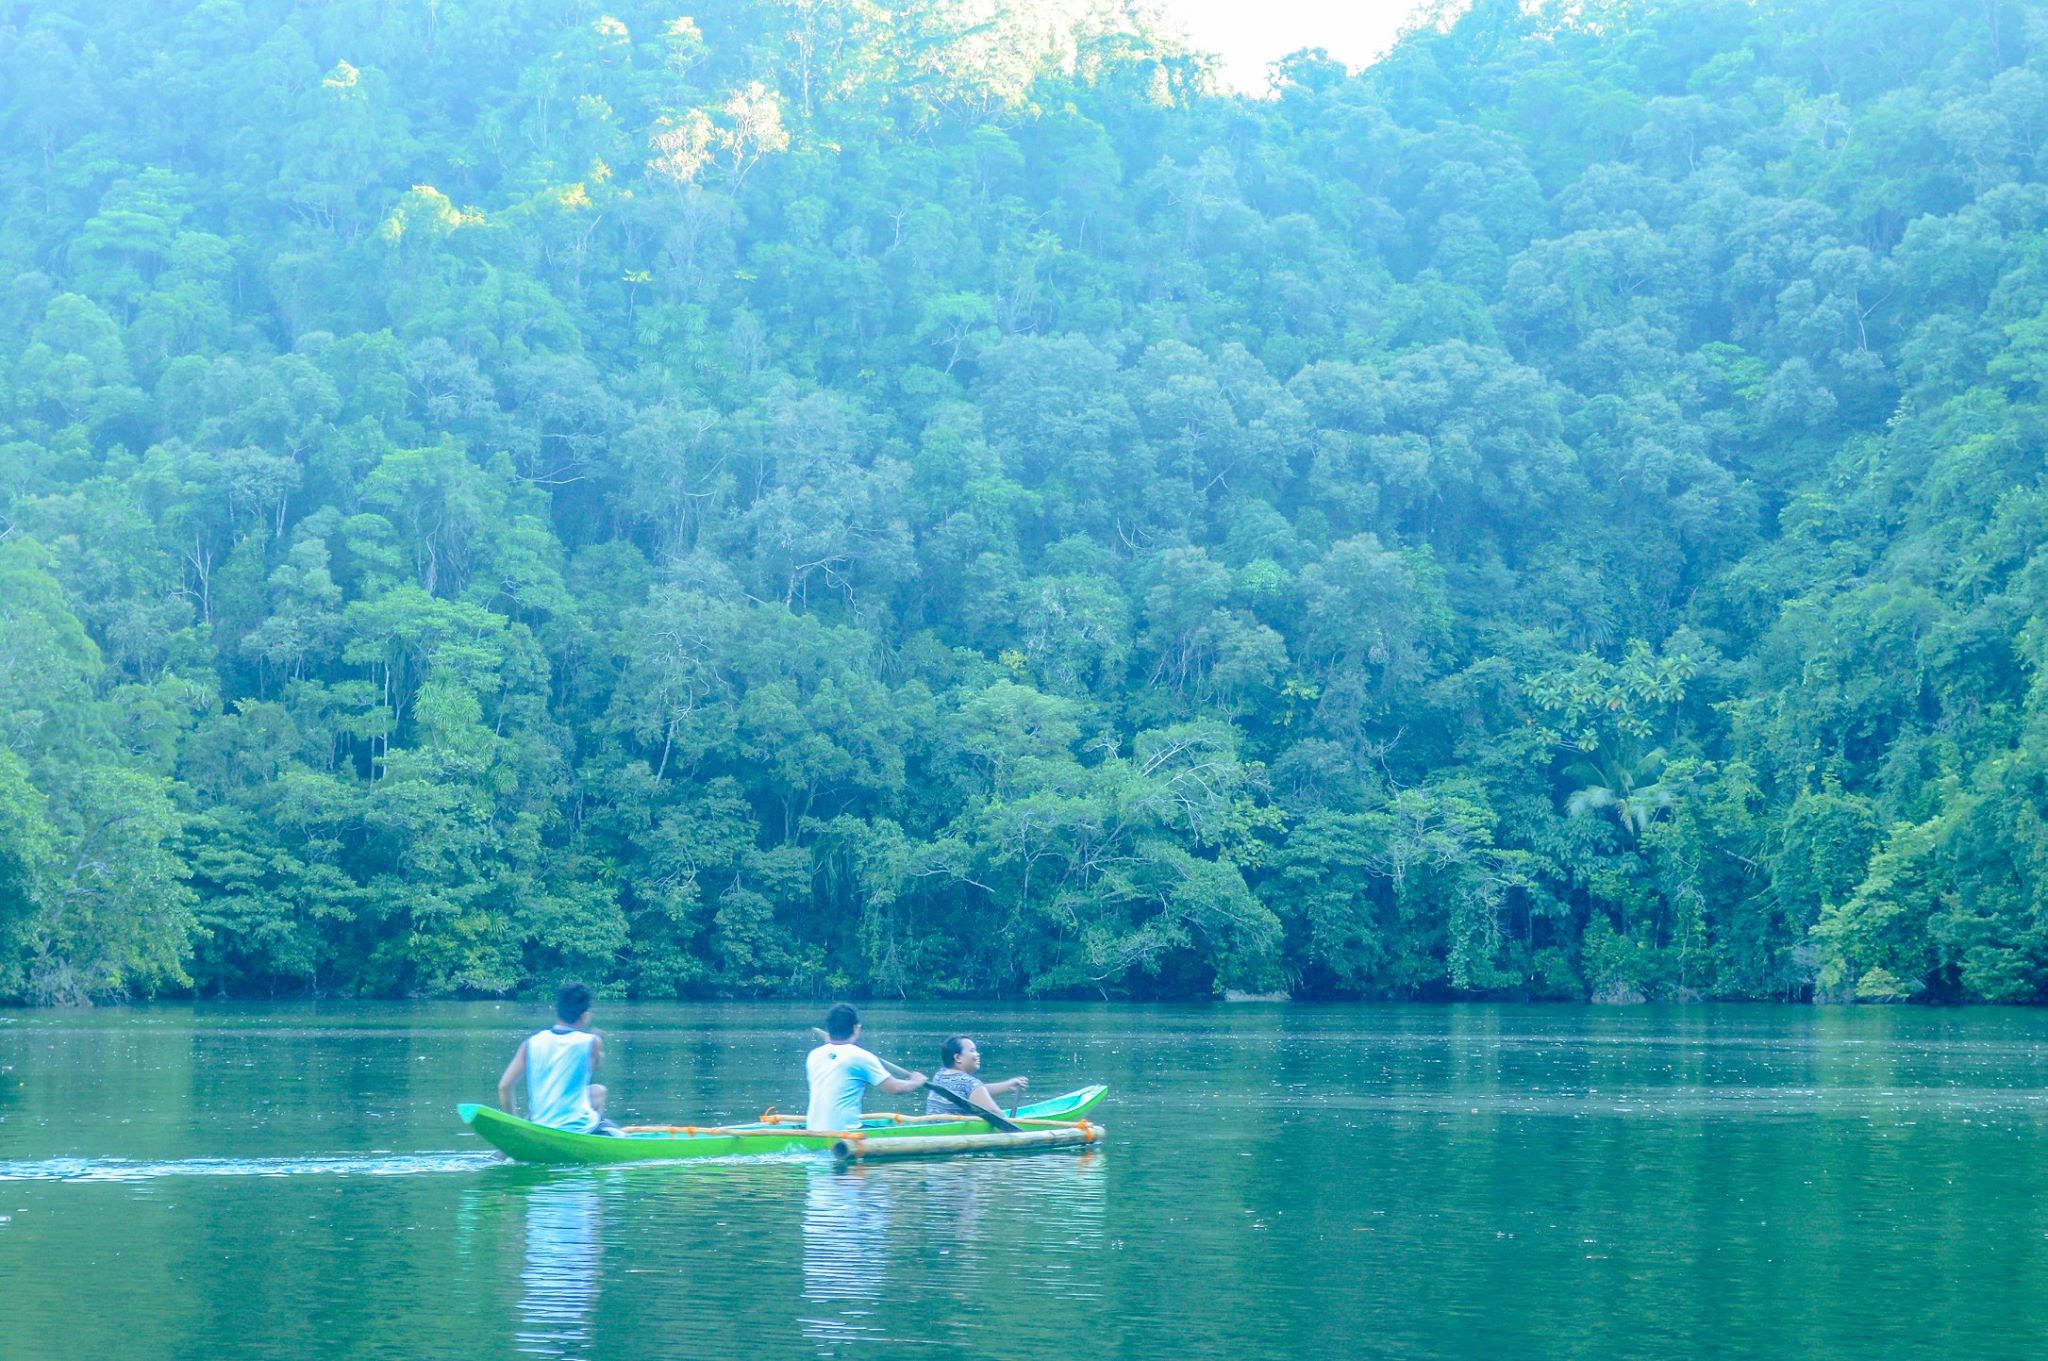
{"x":805,"y":498}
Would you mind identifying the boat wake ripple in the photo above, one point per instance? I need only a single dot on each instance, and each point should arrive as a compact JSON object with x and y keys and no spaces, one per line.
{"x":128,"y":1170}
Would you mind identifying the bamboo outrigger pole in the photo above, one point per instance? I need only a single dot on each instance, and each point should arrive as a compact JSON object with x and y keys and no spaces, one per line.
{"x":860,"y":1149}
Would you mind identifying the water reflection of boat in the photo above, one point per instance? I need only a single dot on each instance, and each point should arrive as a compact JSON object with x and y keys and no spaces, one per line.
{"x":1029,"y":1219}
{"x":846,"y":1240}
{"x":948,"y":1231}
{"x":558,"y":1285}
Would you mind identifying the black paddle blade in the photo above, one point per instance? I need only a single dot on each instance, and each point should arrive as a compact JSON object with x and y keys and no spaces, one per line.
{"x":970,"y":1108}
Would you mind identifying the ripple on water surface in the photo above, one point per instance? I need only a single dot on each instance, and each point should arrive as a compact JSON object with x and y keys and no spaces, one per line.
{"x":127,"y":1170}
{"x":1411,"y":1182}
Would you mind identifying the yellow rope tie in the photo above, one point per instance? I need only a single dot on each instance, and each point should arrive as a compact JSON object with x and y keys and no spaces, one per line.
{"x":778,"y":1123}
{"x":768,"y":1117}
{"x":726,"y":1130}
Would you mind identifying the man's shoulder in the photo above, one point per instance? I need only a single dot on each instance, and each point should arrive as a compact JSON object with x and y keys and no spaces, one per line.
{"x":850,"y":1057}
{"x":828,"y":1056}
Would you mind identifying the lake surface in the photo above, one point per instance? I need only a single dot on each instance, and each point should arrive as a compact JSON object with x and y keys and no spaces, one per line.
{"x":228,"y":1182}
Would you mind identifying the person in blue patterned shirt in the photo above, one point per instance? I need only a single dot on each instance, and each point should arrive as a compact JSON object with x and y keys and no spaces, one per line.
{"x":960,"y":1061}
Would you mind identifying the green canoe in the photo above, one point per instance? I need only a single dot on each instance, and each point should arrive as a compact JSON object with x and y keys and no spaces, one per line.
{"x":530,"y":1143}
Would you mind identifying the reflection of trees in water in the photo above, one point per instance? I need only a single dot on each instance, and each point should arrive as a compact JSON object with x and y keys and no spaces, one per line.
{"x":846,"y":1237}
{"x":559,"y":1282}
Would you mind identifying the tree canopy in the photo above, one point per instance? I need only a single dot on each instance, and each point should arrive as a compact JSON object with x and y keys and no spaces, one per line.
{"x":941,"y":499}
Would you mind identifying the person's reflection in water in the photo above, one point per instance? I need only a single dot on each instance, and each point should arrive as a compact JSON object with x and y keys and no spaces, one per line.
{"x":846,"y":1239}
{"x":951,"y":1195}
{"x":1002,"y":1223}
{"x":559,"y":1284}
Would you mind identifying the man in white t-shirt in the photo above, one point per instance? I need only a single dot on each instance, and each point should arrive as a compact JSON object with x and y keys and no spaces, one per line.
{"x":841,"y":1072}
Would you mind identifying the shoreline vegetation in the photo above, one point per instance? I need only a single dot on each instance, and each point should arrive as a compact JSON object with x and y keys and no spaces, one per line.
{"x":820,"y":499}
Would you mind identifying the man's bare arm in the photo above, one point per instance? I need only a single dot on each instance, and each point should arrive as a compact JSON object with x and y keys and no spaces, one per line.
{"x":509,"y":1083}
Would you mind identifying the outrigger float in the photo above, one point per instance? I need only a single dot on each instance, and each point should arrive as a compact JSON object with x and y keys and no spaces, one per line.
{"x":1060,"y":1122}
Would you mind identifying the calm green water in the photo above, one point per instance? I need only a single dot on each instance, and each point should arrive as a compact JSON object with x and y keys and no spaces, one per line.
{"x":1400,"y":1182}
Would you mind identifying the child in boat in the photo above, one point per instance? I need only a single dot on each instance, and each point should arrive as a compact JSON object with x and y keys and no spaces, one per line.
{"x":558,"y":1064}
{"x":841,"y":1071}
{"x":960,"y":1060}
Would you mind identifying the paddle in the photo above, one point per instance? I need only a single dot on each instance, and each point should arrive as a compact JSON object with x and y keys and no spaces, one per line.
{"x":968,"y":1106}
{"x":898,"y":1071}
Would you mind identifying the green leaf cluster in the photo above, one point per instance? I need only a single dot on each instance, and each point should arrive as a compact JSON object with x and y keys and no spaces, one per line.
{"x":924,"y":499}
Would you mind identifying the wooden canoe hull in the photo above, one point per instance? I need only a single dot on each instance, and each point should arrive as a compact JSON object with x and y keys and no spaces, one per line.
{"x":527,"y":1142}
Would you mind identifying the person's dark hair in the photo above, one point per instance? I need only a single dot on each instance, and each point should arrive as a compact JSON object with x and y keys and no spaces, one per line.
{"x":571,"y":1001}
{"x":951,"y":1050}
{"x":841,"y":1021}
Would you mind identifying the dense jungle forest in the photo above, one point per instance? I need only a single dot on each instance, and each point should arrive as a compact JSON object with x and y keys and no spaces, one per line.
{"x":823,"y":496}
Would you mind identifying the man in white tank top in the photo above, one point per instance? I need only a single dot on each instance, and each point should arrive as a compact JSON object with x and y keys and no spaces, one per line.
{"x":558,"y":1064}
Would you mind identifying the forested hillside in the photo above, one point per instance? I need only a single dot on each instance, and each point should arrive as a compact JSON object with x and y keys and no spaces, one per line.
{"x":829,"y":497}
